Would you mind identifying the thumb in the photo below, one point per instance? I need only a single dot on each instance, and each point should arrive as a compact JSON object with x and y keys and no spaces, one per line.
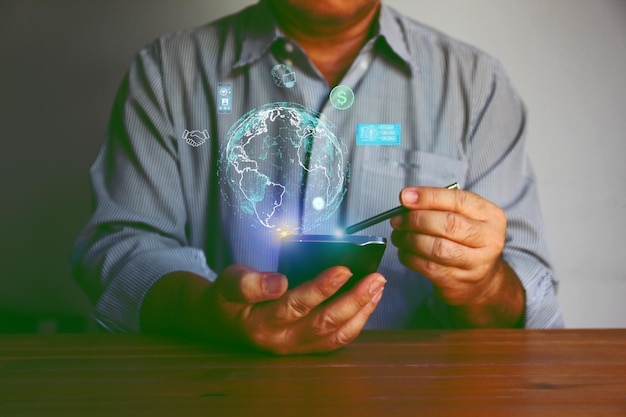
{"x":241,"y":283}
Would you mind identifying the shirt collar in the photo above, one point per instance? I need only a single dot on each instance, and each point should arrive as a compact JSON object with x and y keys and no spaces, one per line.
{"x":392,"y":30}
{"x":260,"y":31}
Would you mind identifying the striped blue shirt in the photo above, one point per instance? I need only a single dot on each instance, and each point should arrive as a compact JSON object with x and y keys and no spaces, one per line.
{"x":176,"y":191}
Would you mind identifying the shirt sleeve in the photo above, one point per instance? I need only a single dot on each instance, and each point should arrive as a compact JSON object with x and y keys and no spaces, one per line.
{"x":499,"y":170}
{"x":137,"y":233}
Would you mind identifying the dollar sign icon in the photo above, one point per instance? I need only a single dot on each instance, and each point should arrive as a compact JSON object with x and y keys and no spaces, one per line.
{"x":341,"y":97}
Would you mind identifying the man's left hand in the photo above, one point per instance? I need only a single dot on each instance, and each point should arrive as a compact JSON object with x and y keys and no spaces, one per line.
{"x":455,"y":238}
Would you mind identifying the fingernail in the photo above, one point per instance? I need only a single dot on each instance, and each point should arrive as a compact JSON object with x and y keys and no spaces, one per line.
{"x":378,"y":296}
{"x":376,"y":285}
{"x":396,"y":221}
{"x":272,"y":283}
{"x":341,"y":279}
{"x":409,"y":196}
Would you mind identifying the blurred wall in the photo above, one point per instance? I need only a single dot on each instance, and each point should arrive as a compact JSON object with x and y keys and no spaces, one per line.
{"x":62,"y":60}
{"x":567,"y":59}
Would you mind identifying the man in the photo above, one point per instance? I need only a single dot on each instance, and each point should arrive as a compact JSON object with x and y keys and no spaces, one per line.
{"x":182,"y":241}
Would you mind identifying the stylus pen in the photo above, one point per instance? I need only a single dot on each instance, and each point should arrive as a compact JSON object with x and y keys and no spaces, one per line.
{"x":384,"y":216}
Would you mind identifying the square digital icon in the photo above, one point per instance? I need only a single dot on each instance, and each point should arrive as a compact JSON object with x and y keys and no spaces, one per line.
{"x":225,"y":97}
{"x":379,"y":134}
{"x":289,"y":79}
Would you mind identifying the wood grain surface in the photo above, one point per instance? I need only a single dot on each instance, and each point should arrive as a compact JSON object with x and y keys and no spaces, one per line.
{"x":383,"y":373}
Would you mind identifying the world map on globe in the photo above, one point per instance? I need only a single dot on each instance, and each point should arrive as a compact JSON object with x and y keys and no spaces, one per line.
{"x":283,"y":167}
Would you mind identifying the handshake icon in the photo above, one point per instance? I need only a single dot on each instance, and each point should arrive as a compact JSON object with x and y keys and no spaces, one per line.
{"x":196,"y":138}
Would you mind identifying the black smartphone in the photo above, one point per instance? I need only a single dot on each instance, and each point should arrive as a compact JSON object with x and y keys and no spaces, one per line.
{"x":303,"y":257}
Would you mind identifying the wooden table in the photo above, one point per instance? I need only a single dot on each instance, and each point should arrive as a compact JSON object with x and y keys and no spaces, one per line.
{"x":413,"y":373}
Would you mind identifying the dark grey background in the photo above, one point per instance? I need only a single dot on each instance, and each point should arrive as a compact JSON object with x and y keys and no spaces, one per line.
{"x":62,"y":60}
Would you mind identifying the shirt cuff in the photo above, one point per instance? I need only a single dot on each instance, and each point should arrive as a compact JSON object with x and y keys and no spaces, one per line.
{"x":540,"y":284}
{"x":119,"y":307}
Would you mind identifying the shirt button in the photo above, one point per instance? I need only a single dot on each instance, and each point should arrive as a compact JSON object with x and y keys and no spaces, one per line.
{"x":364,"y":63}
{"x":288,"y":47}
{"x":289,"y":62}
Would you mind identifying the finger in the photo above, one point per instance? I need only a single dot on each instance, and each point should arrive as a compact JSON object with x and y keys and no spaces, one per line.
{"x":350,"y":329}
{"x":433,"y":269}
{"x":240,"y":283}
{"x":334,"y":315}
{"x":449,"y":225}
{"x":454,"y":286}
{"x":443,"y":199}
{"x":448,"y":275}
{"x":298,"y":302}
{"x":439,"y":250}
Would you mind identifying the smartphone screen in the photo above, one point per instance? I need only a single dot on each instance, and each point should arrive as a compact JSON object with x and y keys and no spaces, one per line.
{"x":303,"y":257}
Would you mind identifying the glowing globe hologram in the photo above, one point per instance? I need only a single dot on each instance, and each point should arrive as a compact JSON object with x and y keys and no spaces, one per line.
{"x":270,"y":153}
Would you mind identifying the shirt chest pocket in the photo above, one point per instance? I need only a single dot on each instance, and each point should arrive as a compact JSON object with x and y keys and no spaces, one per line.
{"x":380,"y":173}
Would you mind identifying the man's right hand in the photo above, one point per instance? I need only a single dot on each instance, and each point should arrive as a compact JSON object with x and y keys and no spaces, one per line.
{"x":255,"y":308}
